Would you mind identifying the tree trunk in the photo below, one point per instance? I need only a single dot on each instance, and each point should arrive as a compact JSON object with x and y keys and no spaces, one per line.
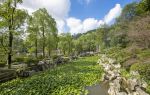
{"x":11,"y":28}
{"x":10,"y":47}
{"x":43,"y":42}
{"x":49,"y":52}
{"x":36,"y":43}
{"x":36,"y":48}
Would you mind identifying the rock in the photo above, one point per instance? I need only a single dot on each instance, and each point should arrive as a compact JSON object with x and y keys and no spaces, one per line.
{"x":117,"y":66}
{"x":122,"y":93}
{"x":41,"y":66}
{"x":111,"y":90}
{"x":140,"y":91}
{"x":119,"y":85}
{"x":107,"y":67}
{"x":132,"y":83}
{"x":58,"y":60}
{"x":23,"y":73}
{"x":32,"y":72}
{"x":144,"y":84}
{"x":40,"y":63}
{"x":134,"y":73}
{"x":111,"y":61}
{"x":106,"y":77}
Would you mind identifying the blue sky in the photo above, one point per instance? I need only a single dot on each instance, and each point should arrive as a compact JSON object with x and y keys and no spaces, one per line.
{"x":95,"y":8}
{"x":78,"y":16}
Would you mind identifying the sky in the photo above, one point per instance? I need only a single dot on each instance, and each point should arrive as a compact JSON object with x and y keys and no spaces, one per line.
{"x":78,"y":16}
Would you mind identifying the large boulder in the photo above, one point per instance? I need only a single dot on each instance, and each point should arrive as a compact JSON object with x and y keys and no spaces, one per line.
{"x":26,"y":73}
{"x":43,"y":65}
{"x":58,"y":60}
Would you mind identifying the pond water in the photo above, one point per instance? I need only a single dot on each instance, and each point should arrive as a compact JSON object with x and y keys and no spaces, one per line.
{"x":98,"y":89}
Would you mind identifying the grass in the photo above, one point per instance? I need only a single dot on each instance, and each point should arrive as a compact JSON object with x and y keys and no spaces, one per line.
{"x":68,"y":79}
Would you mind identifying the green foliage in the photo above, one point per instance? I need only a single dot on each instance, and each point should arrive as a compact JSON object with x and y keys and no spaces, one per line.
{"x":143,"y":54}
{"x":125,"y":73}
{"x":64,"y":80}
{"x":118,"y":53}
{"x":18,"y":59}
{"x":2,"y":63}
{"x":42,"y":32}
{"x":143,"y":69}
{"x":148,"y":88}
{"x":128,"y":12}
{"x":27,"y":60}
{"x":144,"y":5}
{"x":66,"y":44}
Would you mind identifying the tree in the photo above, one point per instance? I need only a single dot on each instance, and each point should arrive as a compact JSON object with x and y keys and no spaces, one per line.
{"x":46,"y":26}
{"x":11,"y":18}
{"x":144,"y":5}
{"x":33,"y":33}
{"x":128,"y":12}
{"x":66,"y":43}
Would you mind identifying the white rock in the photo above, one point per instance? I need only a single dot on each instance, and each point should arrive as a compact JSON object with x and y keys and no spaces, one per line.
{"x":122,"y":93}
{"x":140,"y":91}
{"x":144,"y":84}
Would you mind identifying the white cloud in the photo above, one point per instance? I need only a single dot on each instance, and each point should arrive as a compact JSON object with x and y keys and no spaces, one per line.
{"x":77,"y":26}
{"x":56,"y":8}
{"x":91,"y":23}
{"x":113,"y":13}
{"x":60,"y":25}
{"x":59,"y":9}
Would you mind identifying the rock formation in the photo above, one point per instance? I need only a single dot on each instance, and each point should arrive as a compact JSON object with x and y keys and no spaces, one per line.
{"x":119,"y":85}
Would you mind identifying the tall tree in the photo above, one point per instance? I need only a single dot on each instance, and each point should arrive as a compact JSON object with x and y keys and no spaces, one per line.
{"x":46,"y":25}
{"x":33,"y":33}
{"x":12,"y":18}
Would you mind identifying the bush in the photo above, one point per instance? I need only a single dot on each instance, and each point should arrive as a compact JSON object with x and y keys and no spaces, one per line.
{"x":29,"y":61}
{"x":143,"y":69}
{"x":2,"y":64}
{"x":148,"y":88}
{"x":40,"y":57}
{"x":18,"y":59}
{"x":144,"y":54}
{"x":118,"y":53}
{"x":125,"y":73}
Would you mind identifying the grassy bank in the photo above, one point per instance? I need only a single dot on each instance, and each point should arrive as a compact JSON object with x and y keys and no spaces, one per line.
{"x":68,"y":79}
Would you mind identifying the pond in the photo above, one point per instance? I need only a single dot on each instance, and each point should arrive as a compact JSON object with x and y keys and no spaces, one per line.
{"x":98,"y":89}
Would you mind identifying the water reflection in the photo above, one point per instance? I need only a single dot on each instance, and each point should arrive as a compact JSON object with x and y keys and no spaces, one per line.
{"x":98,"y":89}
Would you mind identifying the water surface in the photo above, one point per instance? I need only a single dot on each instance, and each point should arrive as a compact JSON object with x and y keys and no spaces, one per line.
{"x":98,"y":89}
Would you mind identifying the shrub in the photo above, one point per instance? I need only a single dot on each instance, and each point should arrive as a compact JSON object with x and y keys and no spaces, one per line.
{"x":18,"y":59}
{"x":125,"y":73}
{"x":143,"y":69}
{"x":2,"y":64}
{"x":30,"y":60}
{"x":144,"y":54}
